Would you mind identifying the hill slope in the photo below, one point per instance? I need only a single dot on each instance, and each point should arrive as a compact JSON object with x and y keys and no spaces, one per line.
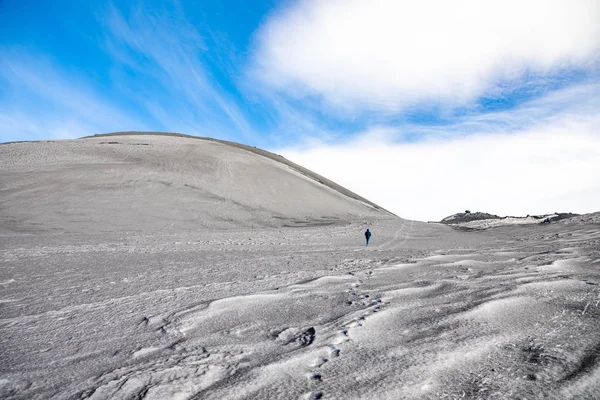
{"x":132,"y":300}
{"x":135,"y":181}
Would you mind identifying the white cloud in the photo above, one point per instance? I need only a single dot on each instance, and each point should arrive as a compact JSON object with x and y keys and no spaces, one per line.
{"x":553,"y":165}
{"x":387,"y":54}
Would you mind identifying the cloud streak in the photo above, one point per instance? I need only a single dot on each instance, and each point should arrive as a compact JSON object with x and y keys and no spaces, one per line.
{"x":389,"y":55}
{"x":41,"y":102}
{"x":170,"y":51}
{"x":150,"y":69}
{"x":543,"y":167}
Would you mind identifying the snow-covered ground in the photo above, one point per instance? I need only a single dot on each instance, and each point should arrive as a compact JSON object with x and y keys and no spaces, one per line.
{"x":491,"y":223}
{"x":593,"y":218}
{"x":106,"y":300}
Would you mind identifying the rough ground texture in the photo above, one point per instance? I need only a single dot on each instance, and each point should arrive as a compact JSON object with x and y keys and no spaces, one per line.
{"x":479,"y":220}
{"x":117,"y":281}
{"x":467,"y":217}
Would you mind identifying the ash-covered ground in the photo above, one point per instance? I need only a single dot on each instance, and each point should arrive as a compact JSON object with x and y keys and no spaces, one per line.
{"x":114,"y":285}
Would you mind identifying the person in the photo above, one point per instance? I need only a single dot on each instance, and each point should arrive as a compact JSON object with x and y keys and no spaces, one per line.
{"x":368,"y":235}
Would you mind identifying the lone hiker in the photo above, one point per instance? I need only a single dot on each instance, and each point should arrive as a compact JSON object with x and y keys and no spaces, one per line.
{"x":368,"y":235}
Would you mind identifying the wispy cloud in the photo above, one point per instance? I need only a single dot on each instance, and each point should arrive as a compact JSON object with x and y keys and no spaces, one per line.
{"x":388,"y":55}
{"x":552,"y":164}
{"x":150,"y":69}
{"x":571,"y":103}
{"x":41,"y":102}
{"x":166,"y":49}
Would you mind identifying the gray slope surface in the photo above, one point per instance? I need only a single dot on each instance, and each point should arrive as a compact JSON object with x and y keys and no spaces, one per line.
{"x":161,"y":182}
{"x":276,"y":157}
{"x":278,"y":312}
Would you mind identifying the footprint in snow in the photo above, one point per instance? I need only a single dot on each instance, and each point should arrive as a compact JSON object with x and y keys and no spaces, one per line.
{"x":307,"y":337}
{"x":334,"y":351}
{"x":294,"y":335}
{"x":315,"y":376}
{"x":341,"y":337}
{"x":319,"y":362}
{"x":313,"y":396}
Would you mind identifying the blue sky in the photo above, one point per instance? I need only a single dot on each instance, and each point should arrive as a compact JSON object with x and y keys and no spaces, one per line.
{"x":303,"y":77}
{"x":163,"y":66}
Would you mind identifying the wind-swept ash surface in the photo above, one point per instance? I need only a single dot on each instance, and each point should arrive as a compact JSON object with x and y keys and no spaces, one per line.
{"x":161,"y":267}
